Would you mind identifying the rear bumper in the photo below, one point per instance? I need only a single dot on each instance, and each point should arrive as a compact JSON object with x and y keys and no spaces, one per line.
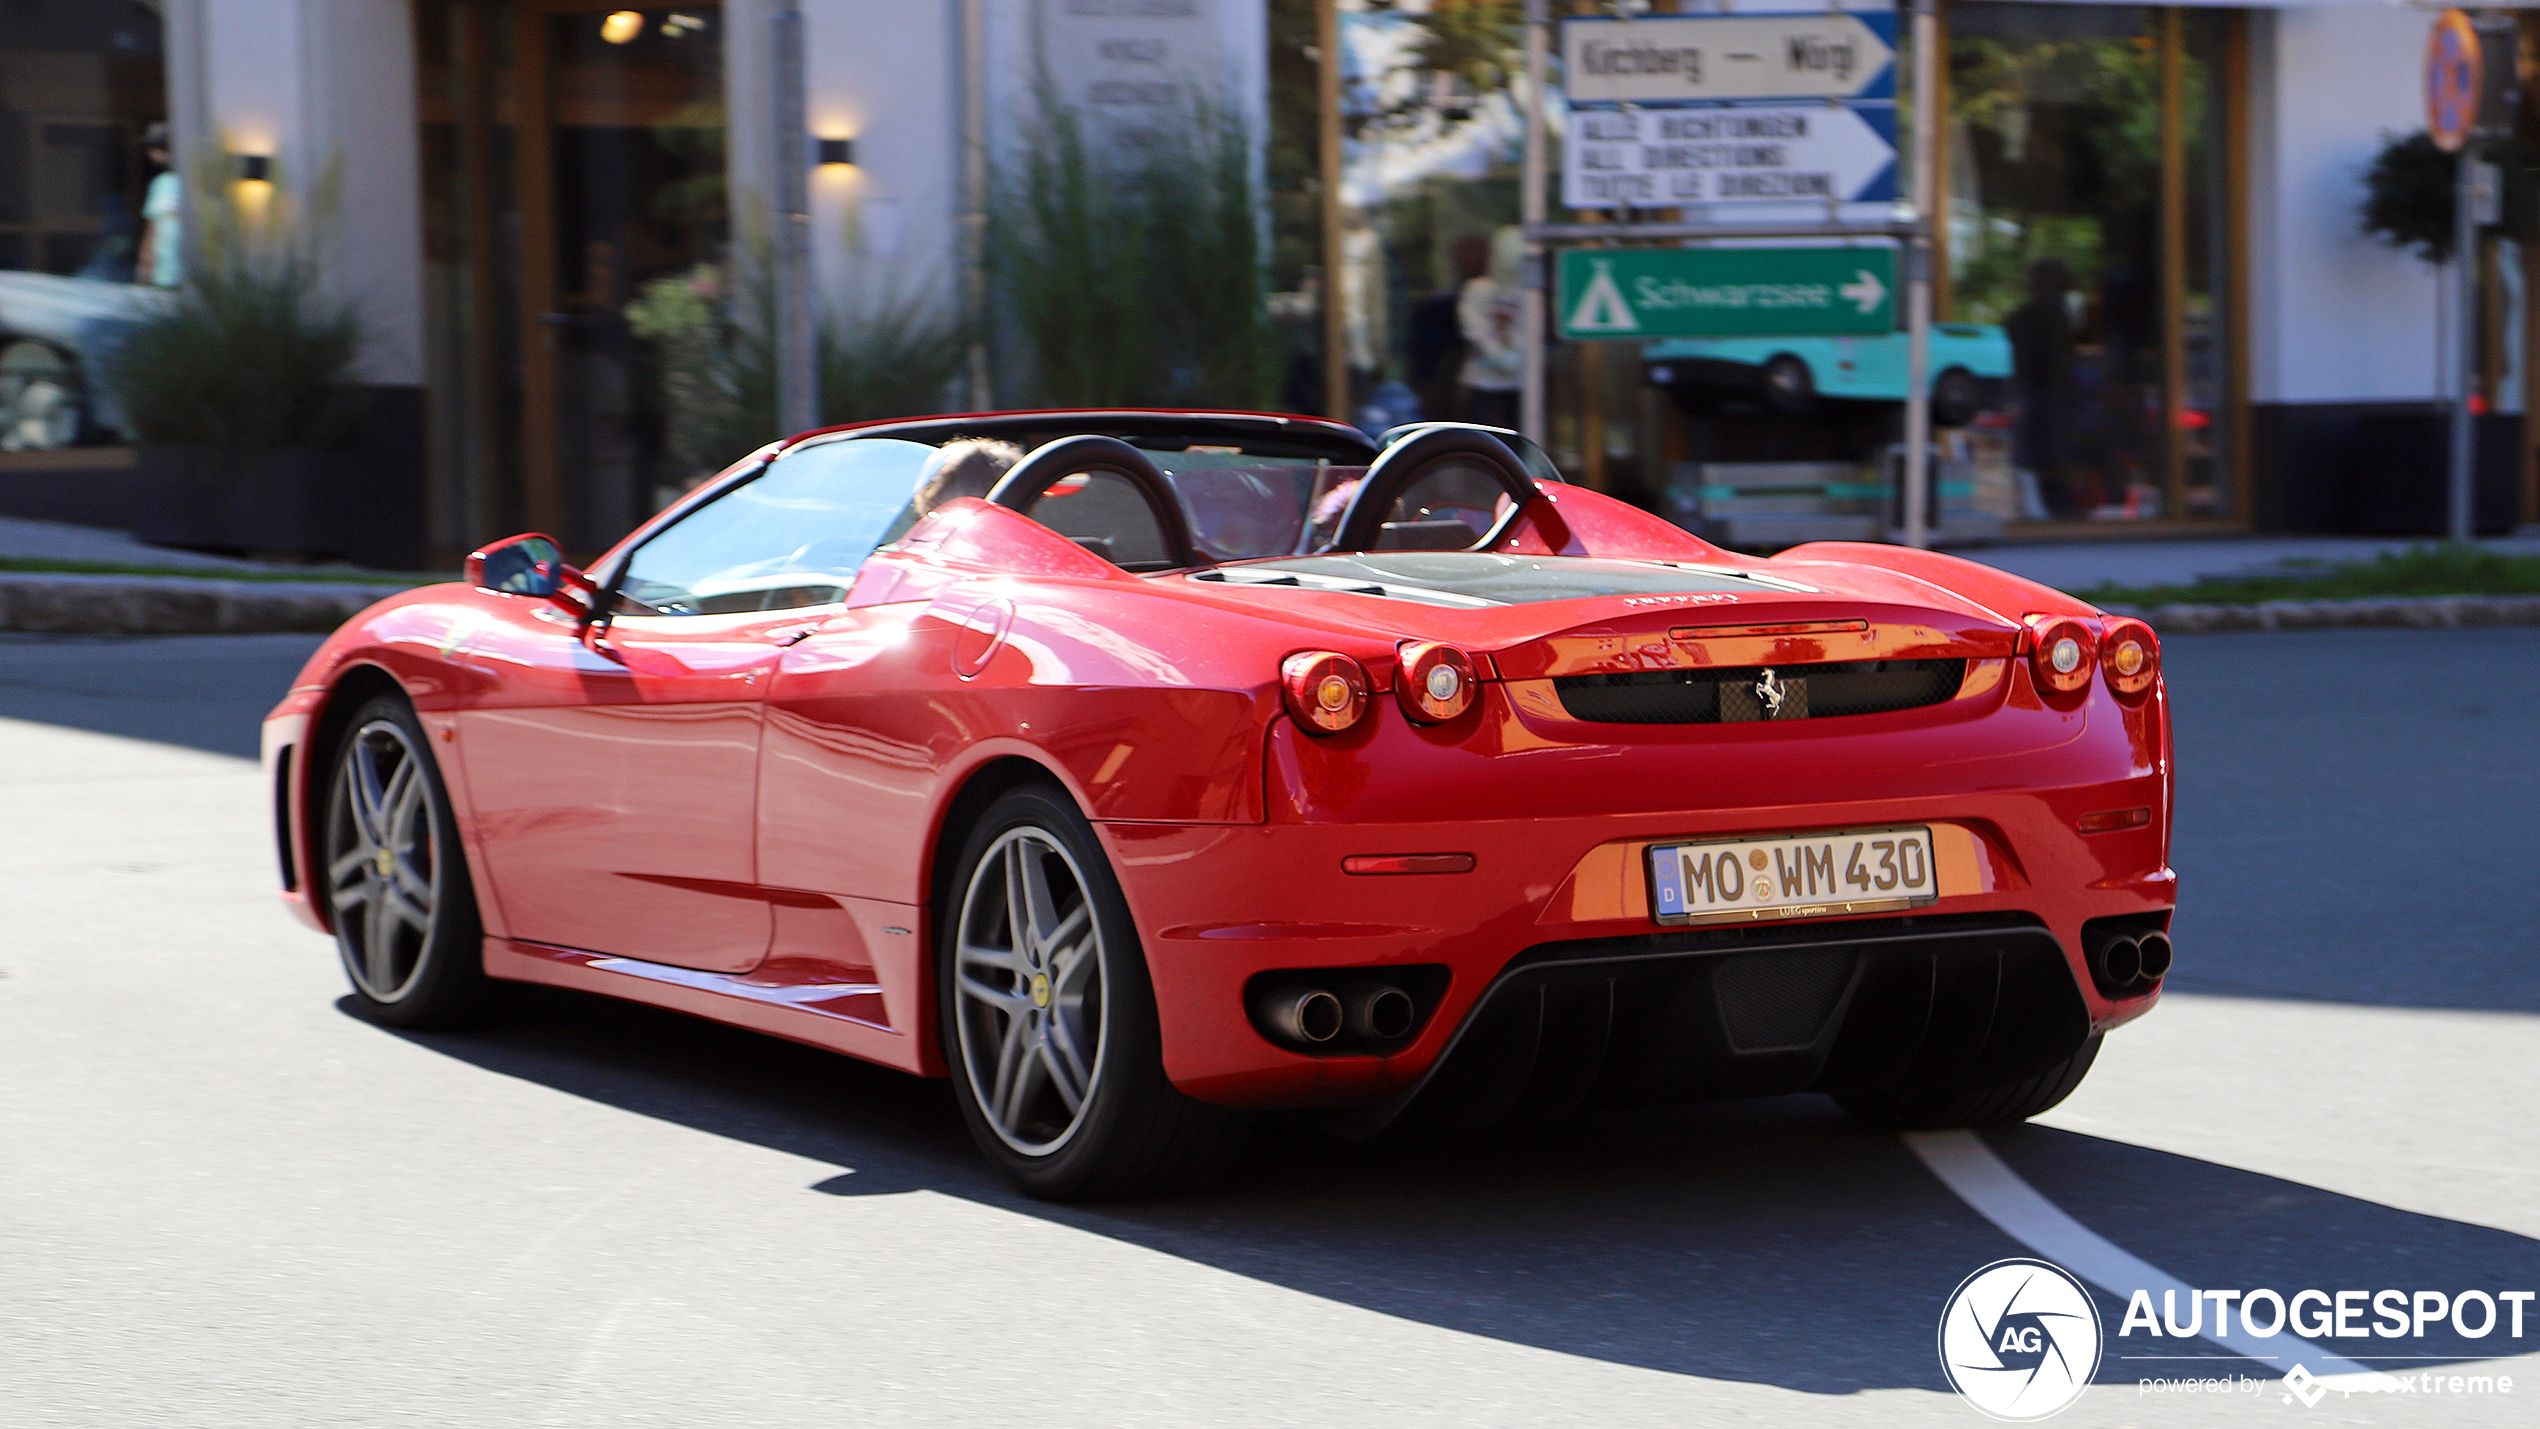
{"x":1901,"y":1003}
{"x":1552,"y":925}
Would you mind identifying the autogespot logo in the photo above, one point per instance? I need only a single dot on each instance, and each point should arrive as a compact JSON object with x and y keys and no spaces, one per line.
{"x":2020,"y":1339}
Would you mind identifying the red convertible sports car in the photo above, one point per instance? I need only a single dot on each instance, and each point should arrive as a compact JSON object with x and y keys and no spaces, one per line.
{"x":1143,"y":771}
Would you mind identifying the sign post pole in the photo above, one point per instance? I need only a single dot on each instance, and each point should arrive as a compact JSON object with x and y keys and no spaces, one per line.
{"x":1530,"y":310}
{"x":2461,"y":103}
{"x":1918,"y":260}
{"x":797,"y":371}
{"x":1327,"y":148}
{"x":2464,"y":343}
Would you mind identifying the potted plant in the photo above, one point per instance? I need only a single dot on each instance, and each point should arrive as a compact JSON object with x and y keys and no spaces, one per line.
{"x":242,"y":396}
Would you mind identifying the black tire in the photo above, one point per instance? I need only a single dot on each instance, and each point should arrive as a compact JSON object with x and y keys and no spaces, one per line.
{"x":1788,"y":387}
{"x":1990,"y":1105}
{"x":395,"y":876}
{"x":1956,"y":397}
{"x":1013,"y":1029}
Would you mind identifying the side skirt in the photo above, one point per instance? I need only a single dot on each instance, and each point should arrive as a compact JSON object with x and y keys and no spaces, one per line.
{"x":847,"y":1018}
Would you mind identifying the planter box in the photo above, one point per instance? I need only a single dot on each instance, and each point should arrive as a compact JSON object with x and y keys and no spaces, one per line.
{"x":288,"y":501}
{"x":2402,"y":479}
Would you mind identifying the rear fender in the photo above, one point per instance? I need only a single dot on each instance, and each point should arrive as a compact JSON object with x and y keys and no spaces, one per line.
{"x":1999,"y":591}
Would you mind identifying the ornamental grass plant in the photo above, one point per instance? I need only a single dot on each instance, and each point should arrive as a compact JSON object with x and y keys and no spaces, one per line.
{"x":254,"y":354}
{"x":1130,"y":274}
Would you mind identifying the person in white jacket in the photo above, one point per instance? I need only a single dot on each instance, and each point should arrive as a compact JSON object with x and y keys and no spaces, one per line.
{"x":1487,"y":313}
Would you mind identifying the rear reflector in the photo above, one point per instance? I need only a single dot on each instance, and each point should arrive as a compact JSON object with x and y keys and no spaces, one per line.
{"x":2115,"y":819}
{"x":1408,"y":863}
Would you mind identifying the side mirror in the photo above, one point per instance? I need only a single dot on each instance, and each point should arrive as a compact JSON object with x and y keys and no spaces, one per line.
{"x":521,"y":565}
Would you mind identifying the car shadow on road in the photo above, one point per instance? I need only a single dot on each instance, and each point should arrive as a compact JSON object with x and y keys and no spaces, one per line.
{"x":1771,"y":1242}
{"x":205,"y":692}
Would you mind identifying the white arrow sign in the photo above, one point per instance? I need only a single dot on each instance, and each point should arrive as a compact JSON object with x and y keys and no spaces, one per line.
{"x":1778,"y":153}
{"x":1657,"y":59}
{"x":1865,"y":290}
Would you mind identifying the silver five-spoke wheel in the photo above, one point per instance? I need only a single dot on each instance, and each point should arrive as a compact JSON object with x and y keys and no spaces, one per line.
{"x":381,"y":853}
{"x":1032,"y":983}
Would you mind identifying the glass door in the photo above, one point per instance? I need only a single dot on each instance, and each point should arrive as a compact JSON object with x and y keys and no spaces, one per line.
{"x":574,"y":158}
{"x":2085,"y":216}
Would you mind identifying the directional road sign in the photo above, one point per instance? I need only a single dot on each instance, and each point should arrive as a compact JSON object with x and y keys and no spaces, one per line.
{"x":1749,"y":153}
{"x":1662,"y":59}
{"x":1726,"y":292}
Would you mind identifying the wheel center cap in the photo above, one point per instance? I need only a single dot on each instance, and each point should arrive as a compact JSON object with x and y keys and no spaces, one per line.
{"x":387,"y":861}
{"x":1040,"y":989}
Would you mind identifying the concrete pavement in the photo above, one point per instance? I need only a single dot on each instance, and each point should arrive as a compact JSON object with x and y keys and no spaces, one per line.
{"x":225,"y":1201}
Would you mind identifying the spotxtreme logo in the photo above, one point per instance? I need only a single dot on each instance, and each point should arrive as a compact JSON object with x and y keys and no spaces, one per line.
{"x":2020,"y":1339}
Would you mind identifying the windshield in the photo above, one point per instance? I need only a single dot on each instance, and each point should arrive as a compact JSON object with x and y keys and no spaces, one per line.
{"x":797,"y":533}
{"x":794,"y":535}
{"x":1243,"y":507}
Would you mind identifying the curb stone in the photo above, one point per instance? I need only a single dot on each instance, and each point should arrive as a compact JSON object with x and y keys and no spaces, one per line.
{"x":176,"y":605}
{"x":2430,"y":612}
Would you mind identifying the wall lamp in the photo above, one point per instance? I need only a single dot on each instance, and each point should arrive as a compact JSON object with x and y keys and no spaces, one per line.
{"x":255,"y":168}
{"x":833,"y":151}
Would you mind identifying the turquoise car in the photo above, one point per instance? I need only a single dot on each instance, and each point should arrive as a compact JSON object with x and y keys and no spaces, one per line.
{"x":1970,"y":365}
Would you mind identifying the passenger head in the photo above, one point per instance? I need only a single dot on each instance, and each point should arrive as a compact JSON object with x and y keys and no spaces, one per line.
{"x":970,"y":467}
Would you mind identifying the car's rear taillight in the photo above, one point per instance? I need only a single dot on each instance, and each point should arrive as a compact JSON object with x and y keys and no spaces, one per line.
{"x":2130,"y":656}
{"x":2060,"y":651}
{"x":1326,"y":691}
{"x":1435,"y":682}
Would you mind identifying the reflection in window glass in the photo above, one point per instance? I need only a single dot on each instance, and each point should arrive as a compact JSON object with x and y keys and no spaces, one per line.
{"x":795,"y":536}
{"x":89,"y":208}
{"x":2056,"y":218}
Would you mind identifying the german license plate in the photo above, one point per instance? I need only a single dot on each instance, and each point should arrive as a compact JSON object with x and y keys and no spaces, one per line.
{"x":1753,"y":880}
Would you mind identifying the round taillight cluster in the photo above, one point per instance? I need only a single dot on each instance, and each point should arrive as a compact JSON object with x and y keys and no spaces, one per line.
{"x":2062,"y":653}
{"x":2130,"y":656}
{"x":1326,"y":691}
{"x":1435,"y":682}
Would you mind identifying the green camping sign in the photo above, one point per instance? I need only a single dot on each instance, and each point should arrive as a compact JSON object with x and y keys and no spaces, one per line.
{"x":1725,"y":292}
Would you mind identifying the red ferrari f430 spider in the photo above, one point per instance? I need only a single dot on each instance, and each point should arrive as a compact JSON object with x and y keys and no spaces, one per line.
{"x":1186,"y":766}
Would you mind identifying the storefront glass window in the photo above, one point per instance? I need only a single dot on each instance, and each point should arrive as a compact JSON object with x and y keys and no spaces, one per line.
{"x":2085,"y":217}
{"x":573,"y":170}
{"x":1429,"y":247}
{"x":83,"y":100}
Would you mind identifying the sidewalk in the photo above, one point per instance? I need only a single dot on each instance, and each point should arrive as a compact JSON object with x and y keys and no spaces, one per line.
{"x":185,"y":594}
{"x":2081,"y":565}
{"x":21,"y":539}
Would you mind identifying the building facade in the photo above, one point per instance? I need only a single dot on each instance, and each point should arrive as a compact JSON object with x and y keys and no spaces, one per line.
{"x":549,"y":213}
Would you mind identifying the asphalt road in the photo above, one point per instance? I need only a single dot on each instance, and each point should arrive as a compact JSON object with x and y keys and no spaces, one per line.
{"x":224,"y":1200}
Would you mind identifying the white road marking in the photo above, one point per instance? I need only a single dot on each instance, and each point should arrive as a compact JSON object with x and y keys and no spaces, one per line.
{"x":1967,"y":1166}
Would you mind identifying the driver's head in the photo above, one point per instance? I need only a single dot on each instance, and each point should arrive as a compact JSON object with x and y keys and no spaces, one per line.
{"x":970,"y":467}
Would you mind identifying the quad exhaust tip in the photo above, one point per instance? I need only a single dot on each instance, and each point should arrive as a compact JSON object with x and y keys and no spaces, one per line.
{"x":2122,"y":963}
{"x":2153,"y":956}
{"x":1381,"y":1013}
{"x":2131,"y":963}
{"x":1302,"y":1014}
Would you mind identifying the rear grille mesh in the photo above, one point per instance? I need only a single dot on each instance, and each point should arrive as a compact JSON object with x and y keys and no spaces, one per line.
{"x":1773,"y":1001}
{"x":1736,"y":696}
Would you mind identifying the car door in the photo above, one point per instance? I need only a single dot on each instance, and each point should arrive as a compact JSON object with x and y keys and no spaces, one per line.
{"x":614,"y":785}
{"x":615,"y":775}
